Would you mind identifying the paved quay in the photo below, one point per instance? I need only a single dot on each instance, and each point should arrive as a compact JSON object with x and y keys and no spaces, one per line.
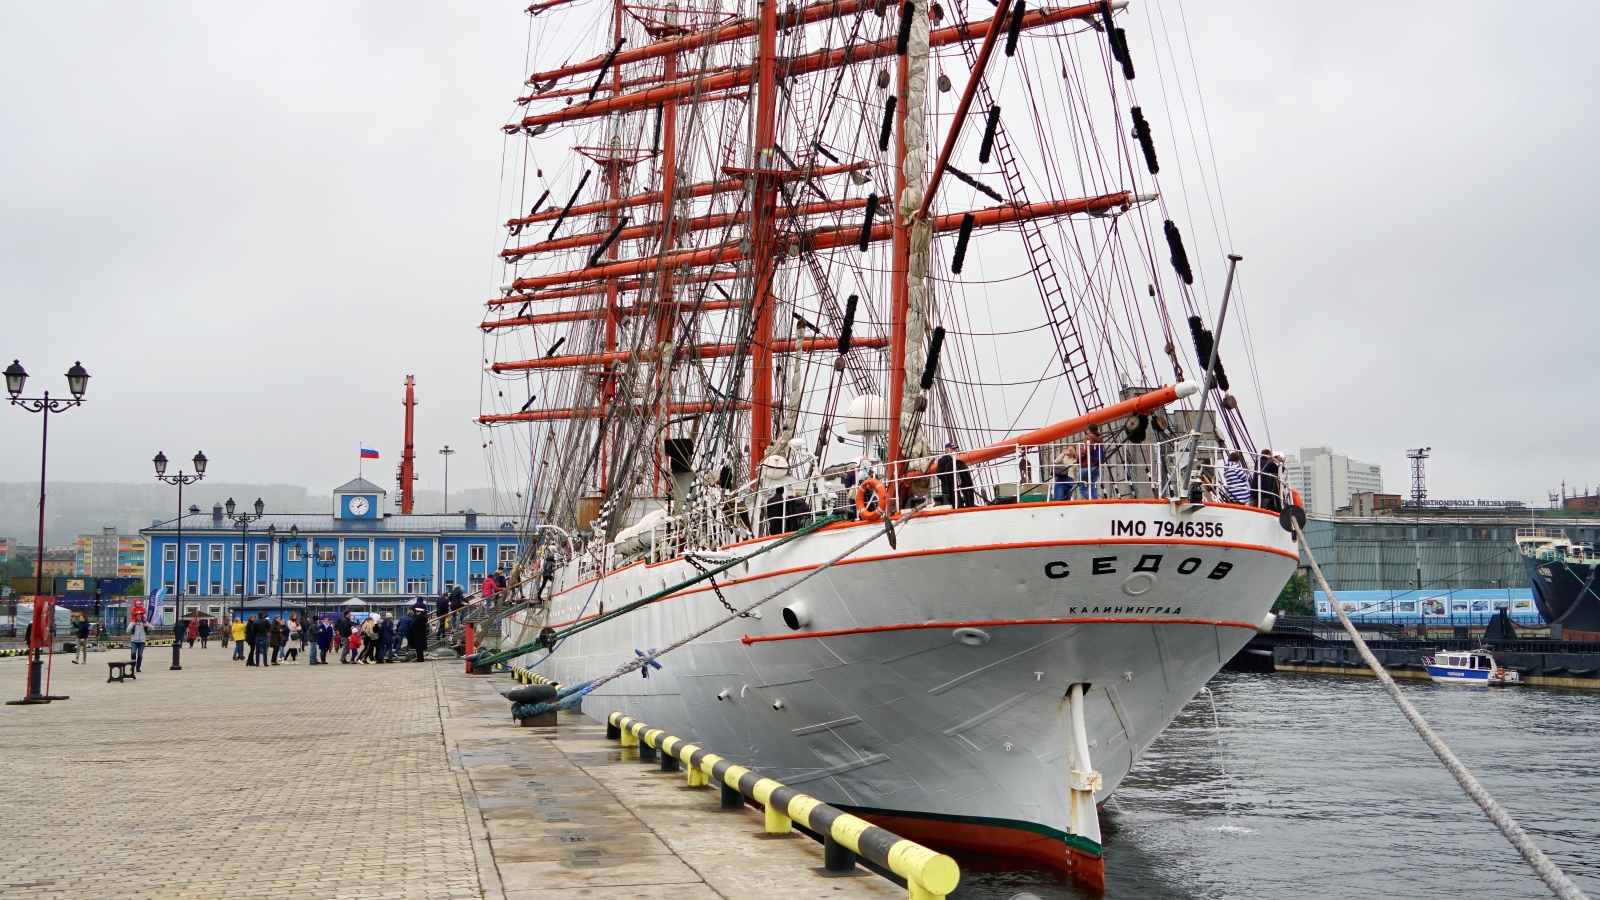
{"x":397,"y":781}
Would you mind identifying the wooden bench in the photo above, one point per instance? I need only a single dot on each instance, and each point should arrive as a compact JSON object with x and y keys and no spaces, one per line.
{"x":120,"y":669}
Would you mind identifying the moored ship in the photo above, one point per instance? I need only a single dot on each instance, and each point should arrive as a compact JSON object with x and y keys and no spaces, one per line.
{"x":1563,"y":577}
{"x":989,"y":637}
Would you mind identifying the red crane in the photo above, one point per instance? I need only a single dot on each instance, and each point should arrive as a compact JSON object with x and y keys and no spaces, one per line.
{"x":408,"y":457}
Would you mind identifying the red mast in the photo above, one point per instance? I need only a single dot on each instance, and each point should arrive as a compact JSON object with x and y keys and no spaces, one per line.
{"x":408,"y":456}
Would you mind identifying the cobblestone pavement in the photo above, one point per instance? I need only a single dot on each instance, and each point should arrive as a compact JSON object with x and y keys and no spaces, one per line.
{"x":571,"y":815}
{"x":228,"y":781}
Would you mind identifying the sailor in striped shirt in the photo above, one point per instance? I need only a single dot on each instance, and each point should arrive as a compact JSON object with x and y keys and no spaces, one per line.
{"x":1236,"y":479}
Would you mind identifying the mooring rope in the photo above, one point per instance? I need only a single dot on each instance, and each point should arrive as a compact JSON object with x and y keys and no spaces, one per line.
{"x":1548,"y":871}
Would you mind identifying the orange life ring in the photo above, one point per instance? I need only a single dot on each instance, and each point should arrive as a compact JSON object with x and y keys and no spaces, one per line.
{"x":875,"y":486}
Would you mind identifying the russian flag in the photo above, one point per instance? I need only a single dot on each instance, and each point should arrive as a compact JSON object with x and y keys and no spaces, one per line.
{"x":368,"y":452}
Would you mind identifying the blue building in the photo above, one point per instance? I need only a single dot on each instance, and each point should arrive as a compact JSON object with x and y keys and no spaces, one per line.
{"x":323,"y":561}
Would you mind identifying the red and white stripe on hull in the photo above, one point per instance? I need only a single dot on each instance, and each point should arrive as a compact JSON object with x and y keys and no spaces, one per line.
{"x":930,"y":681}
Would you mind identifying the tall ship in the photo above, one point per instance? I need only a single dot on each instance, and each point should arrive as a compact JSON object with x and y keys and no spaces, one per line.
{"x":1562,"y":573}
{"x":877,"y":312}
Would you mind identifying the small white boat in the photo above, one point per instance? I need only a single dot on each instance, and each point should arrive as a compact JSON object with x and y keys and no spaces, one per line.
{"x":1468,"y":667}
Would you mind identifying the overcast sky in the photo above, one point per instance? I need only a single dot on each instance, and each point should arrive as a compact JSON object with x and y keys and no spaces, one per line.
{"x":251,"y":222}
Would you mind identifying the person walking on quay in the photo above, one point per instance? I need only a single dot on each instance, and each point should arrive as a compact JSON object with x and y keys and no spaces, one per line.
{"x":137,"y":637}
{"x":352,"y":648}
{"x":192,"y":632}
{"x":225,"y":630}
{"x":274,"y":640}
{"x":343,"y":627}
{"x":369,"y":640}
{"x":418,"y":637}
{"x":325,"y":636}
{"x":291,"y":646}
{"x":205,"y":632}
{"x":237,"y":627}
{"x":386,"y":637}
{"x":81,"y":629}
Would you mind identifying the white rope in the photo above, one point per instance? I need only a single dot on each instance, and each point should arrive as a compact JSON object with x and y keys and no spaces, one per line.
{"x":645,"y":659}
{"x":1548,"y":871}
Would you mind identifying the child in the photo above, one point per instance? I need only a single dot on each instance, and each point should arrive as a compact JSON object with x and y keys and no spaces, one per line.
{"x":349,"y":654}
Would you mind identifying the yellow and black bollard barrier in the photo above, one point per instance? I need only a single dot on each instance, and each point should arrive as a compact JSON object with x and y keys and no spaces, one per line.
{"x":928,"y":875}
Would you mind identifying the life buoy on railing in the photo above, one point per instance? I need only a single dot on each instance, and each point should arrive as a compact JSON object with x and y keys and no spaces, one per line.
{"x":876,"y":487}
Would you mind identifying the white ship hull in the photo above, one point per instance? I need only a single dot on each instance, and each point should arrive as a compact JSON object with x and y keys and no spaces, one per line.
{"x":928,"y":689}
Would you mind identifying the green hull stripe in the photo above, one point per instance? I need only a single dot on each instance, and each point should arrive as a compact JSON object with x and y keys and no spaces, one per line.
{"x":1076,"y":842}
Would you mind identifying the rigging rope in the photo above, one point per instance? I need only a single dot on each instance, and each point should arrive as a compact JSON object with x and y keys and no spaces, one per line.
{"x":1548,"y":871}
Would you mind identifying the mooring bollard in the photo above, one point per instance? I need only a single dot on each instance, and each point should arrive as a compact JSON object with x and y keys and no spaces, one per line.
{"x":669,"y":763}
{"x":731,"y":798}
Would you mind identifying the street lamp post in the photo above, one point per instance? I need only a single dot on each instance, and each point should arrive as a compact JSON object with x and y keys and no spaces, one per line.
{"x":446,"y":453}
{"x":180,"y":480}
{"x":244,"y":520}
{"x":77,"y":384}
{"x":277,"y":554}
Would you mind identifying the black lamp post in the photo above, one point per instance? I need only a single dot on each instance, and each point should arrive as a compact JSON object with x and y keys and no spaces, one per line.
{"x":325,"y":562}
{"x":278,"y":541}
{"x":244,"y":520}
{"x":180,"y":480}
{"x":77,"y":384}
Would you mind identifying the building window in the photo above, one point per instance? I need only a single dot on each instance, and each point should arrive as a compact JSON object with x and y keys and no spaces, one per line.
{"x":449,"y":552}
{"x":385,"y":554}
{"x":325,"y":586}
{"x":324,"y":554}
{"x":238,"y":553}
{"x":474,"y":583}
{"x":216,"y":588}
{"x":169,"y":553}
{"x":354,"y":553}
{"x":261,"y":587}
{"x":416,"y":585}
{"x":477,"y":553}
{"x":355,"y":585}
{"x":294,"y":586}
{"x":508,"y":556}
{"x":238,"y":589}
{"x":192,"y":589}
{"x":216,"y":553}
{"x":388,"y":586}
{"x":261,"y":553}
{"x":418,"y":554}
{"x":294,"y":553}
{"x":194,"y":553}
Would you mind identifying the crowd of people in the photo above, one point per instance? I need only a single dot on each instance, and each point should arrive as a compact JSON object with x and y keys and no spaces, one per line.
{"x":261,"y":639}
{"x":375,"y":639}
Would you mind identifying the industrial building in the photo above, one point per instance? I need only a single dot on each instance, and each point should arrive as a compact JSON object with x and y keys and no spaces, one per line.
{"x":1436,"y":547}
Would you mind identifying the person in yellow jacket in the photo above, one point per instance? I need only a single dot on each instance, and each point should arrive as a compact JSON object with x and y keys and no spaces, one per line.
{"x":237,"y":630}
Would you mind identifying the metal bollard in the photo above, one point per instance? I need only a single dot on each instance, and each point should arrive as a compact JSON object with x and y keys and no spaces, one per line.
{"x":836,"y":857}
{"x":731,"y":798}
{"x":669,"y":763}
{"x":612,"y":732}
{"x":697,"y":778}
{"x":647,"y":753}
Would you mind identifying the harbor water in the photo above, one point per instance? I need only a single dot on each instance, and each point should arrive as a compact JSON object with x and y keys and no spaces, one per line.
{"x":1286,"y":785}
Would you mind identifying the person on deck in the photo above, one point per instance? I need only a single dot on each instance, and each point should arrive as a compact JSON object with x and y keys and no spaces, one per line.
{"x":1266,"y":483}
{"x":441,"y":609}
{"x":1067,"y":470}
{"x":1092,"y":456}
{"x":1236,"y":479}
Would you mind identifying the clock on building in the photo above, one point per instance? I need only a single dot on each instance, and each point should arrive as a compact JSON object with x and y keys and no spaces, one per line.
{"x":358,"y":506}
